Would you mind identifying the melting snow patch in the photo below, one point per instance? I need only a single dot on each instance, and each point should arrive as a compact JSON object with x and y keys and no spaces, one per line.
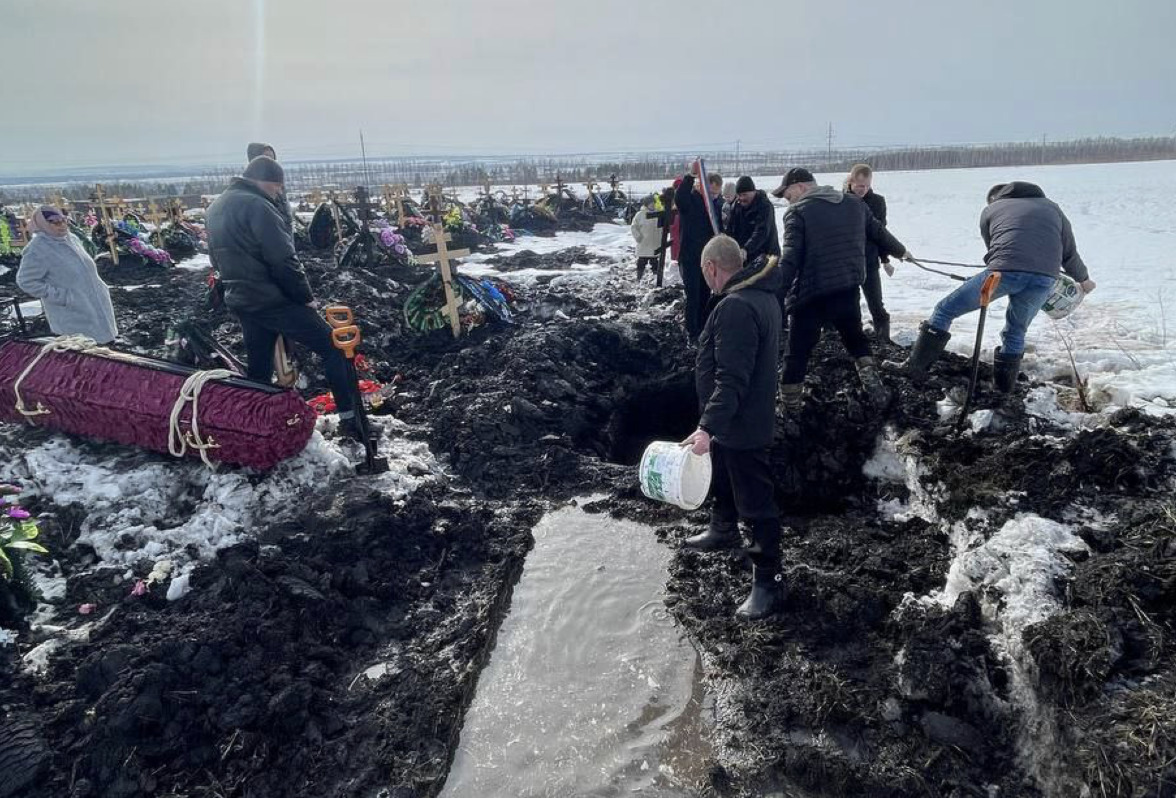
{"x":1016,"y":568}
{"x":144,"y":506}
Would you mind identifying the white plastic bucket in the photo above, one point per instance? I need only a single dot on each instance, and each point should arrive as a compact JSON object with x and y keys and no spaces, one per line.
{"x":673,"y":474}
{"x":1064,"y":298}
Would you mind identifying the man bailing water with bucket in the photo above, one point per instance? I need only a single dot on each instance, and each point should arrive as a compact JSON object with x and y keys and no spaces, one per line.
{"x":735,"y":376}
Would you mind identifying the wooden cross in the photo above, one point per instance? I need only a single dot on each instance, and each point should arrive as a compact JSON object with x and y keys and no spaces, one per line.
{"x":443,"y":256}
{"x":614,"y":182}
{"x":395,"y":196}
{"x":487,"y":187}
{"x":559,"y":185}
{"x":107,"y":221}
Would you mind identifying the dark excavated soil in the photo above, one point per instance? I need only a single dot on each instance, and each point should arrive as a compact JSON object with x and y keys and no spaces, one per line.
{"x":249,"y":686}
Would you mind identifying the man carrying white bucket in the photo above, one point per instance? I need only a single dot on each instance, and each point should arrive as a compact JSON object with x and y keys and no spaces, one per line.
{"x":735,"y":376}
{"x":1030,"y":243}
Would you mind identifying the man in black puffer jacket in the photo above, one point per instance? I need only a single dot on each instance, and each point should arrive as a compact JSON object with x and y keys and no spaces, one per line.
{"x":263,"y":281}
{"x":735,"y":376}
{"x":823,"y":265}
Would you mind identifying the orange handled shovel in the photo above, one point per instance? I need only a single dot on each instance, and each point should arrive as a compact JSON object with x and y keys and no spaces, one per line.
{"x":346,"y":338}
{"x":339,"y":315}
{"x":986,"y":291}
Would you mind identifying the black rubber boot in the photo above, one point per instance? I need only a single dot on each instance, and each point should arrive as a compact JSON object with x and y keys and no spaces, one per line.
{"x":877,"y":393}
{"x":792,"y":402}
{"x":926,"y":350}
{"x":1005,"y":369}
{"x":882,"y":330}
{"x":765,"y":597}
{"x":719,"y":535}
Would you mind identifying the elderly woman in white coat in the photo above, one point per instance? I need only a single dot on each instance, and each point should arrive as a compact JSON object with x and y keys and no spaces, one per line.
{"x":57,"y":270}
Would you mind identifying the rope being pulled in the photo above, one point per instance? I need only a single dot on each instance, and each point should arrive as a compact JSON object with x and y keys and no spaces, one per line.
{"x":178,"y":442}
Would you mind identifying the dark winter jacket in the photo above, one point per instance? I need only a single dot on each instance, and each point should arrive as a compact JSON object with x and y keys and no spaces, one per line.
{"x":735,"y":372}
{"x":283,"y":206}
{"x":825,"y":234}
{"x":877,"y":205}
{"x":1025,"y":232}
{"x":252,"y":251}
{"x":693,"y":222}
{"x":754,"y":227}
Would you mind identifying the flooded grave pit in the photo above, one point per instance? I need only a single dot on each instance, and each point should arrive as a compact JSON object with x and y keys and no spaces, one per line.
{"x":989,"y":614}
{"x":592,"y":688}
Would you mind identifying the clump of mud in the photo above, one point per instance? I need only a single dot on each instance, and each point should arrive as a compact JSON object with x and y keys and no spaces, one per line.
{"x":333,"y":655}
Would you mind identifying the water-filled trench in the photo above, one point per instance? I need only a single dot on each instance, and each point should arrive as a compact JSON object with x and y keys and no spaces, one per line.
{"x":592,"y":688}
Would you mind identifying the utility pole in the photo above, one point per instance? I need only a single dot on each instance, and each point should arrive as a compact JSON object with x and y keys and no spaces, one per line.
{"x":1043,"y":149}
{"x":363,"y":152}
{"x":737,"y":172}
{"x":829,"y":143}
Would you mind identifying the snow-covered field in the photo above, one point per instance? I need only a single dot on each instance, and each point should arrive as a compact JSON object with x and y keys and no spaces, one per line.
{"x":1123,"y":336}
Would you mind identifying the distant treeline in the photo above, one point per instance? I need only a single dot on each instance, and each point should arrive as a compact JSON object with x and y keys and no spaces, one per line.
{"x":573,"y":169}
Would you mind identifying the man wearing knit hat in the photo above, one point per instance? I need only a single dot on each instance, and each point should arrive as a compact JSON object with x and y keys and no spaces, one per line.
{"x":753,"y":221}
{"x":264,"y":282}
{"x":255,"y":149}
{"x":823,"y":265}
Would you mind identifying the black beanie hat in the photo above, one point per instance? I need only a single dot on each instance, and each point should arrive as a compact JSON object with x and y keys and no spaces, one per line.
{"x":257,"y":148}
{"x":744,"y":183}
{"x":265,"y":170}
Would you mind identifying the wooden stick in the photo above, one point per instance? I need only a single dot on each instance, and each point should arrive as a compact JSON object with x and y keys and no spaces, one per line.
{"x":107,"y":223}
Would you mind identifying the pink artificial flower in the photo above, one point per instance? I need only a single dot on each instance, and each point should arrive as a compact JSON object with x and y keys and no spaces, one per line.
{"x":140,"y":588}
{"x":86,"y":609}
{"x":19,"y":513}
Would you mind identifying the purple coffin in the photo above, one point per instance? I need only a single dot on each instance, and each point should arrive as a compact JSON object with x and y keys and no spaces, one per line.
{"x":131,"y":403}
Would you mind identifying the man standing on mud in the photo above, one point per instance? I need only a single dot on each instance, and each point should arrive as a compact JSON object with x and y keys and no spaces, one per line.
{"x":735,"y":376}
{"x":823,"y":265}
{"x":264,"y":283}
{"x":1029,"y":242}
{"x":695,"y":230}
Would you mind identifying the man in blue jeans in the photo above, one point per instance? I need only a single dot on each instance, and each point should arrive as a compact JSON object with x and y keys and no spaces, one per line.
{"x":1029,"y":241}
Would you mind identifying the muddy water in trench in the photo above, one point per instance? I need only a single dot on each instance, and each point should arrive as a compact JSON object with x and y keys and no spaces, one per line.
{"x":591,"y":690}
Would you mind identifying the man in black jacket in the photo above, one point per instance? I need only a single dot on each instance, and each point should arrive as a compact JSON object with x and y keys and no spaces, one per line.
{"x":735,"y":376}
{"x":860,"y":184}
{"x":753,"y":221}
{"x":823,"y":265}
{"x":263,"y":281}
{"x":695,"y":230}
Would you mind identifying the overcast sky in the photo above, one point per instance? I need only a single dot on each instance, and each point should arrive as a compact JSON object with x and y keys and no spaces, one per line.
{"x":181,"y":81}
